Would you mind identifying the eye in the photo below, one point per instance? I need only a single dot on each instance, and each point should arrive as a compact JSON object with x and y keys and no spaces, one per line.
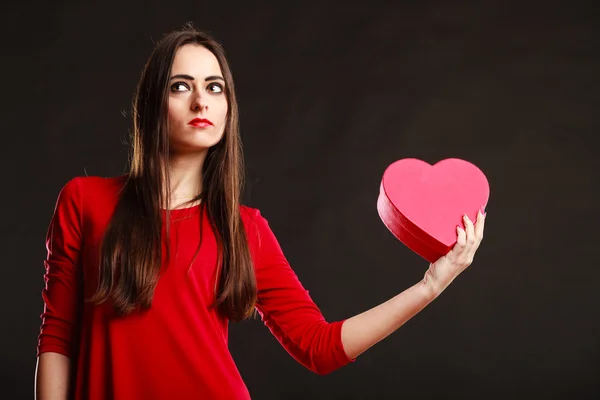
{"x":215,"y":88}
{"x":177,"y":87}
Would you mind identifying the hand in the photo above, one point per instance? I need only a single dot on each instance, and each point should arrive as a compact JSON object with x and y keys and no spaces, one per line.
{"x":441,"y":273}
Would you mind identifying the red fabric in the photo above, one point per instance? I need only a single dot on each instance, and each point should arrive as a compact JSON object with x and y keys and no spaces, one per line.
{"x":178,"y":348}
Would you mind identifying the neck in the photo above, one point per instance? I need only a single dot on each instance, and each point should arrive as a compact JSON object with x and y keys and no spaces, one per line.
{"x":185,"y":175}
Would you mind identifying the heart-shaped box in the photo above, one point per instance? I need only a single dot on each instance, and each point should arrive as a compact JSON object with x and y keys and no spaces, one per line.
{"x":421,"y":204}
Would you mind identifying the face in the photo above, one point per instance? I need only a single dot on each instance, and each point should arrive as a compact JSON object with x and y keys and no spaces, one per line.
{"x":197,"y":100}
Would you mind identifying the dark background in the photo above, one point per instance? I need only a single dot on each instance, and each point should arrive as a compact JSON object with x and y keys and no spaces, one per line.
{"x":330,"y":94}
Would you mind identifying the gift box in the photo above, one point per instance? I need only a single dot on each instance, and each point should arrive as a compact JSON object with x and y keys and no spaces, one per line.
{"x":422,"y":204}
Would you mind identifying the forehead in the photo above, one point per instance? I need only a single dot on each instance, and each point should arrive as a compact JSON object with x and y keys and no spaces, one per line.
{"x":195,"y":60}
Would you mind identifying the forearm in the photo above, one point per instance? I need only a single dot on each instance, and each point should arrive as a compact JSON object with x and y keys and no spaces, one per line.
{"x":364,"y":330}
{"x":52,"y":376}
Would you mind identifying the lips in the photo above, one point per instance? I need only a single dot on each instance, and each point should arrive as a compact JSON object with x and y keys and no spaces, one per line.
{"x":200,"y":123}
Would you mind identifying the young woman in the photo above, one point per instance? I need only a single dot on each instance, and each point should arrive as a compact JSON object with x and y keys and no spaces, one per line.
{"x":145,"y":270}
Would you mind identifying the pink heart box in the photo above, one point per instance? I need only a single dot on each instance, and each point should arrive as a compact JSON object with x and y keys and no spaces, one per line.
{"x":421,"y":204}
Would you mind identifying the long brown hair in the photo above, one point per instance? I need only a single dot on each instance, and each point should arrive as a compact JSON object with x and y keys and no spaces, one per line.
{"x":130,"y":256}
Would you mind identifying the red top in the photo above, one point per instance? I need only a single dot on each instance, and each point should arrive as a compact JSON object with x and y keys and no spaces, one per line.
{"x":178,"y":348}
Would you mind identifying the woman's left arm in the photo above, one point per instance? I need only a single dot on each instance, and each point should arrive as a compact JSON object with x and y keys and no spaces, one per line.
{"x":364,"y":330}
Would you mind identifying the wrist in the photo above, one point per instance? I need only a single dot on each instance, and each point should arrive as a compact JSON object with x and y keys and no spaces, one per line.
{"x":433,"y":285}
{"x":430,"y":290}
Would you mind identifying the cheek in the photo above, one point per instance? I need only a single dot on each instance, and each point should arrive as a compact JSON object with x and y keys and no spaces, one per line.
{"x":223,"y":114}
{"x":173,"y":114}
{"x":173,"y":119}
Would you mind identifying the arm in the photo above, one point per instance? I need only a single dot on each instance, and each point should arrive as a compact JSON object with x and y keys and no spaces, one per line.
{"x":362,"y":331}
{"x":52,"y":376}
{"x":60,"y":295}
{"x":286,"y":307}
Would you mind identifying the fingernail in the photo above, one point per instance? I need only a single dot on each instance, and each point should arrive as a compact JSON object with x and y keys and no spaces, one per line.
{"x":466,"y":218}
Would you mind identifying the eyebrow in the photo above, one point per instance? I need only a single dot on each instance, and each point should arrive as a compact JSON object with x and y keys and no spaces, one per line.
{"x":191,"y":78}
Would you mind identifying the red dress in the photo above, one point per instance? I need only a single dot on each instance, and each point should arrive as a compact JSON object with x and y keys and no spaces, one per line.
{"x":178,"y":348}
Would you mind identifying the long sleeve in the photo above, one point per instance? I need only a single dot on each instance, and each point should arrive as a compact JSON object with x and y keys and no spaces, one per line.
{"x":287,"y":309}
{"x":62,"y":279}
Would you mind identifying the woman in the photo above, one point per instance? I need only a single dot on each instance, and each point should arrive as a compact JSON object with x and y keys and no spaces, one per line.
{"x":145,"y":270}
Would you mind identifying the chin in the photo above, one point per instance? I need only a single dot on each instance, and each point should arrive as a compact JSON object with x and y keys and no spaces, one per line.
{"x":196,"y":146}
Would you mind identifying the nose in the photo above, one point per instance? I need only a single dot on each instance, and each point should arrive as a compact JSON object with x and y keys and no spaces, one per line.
{"x":199,"y":103}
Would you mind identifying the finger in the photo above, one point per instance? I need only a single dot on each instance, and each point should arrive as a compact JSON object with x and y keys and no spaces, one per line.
{"x":461,"y":242}
{"x":478,"y":236}
{"x":479,"y":226}
{"x":470,"y":231}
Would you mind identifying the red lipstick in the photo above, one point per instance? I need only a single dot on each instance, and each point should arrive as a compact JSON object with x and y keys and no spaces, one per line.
{"x":200,"y":123}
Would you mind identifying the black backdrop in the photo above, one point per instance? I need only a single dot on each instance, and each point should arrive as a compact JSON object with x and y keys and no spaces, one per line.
{"x":330,"y":94}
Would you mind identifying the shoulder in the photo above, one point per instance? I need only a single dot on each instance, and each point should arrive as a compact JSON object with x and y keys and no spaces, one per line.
{"x":250,"y":216}
{"x":254,"y":222}
{"x":263,"y":243}
{"x":91,"y":187}
{"x":249,"y":213}
{"x":91,"y":190}
{"x":98,"y":185}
